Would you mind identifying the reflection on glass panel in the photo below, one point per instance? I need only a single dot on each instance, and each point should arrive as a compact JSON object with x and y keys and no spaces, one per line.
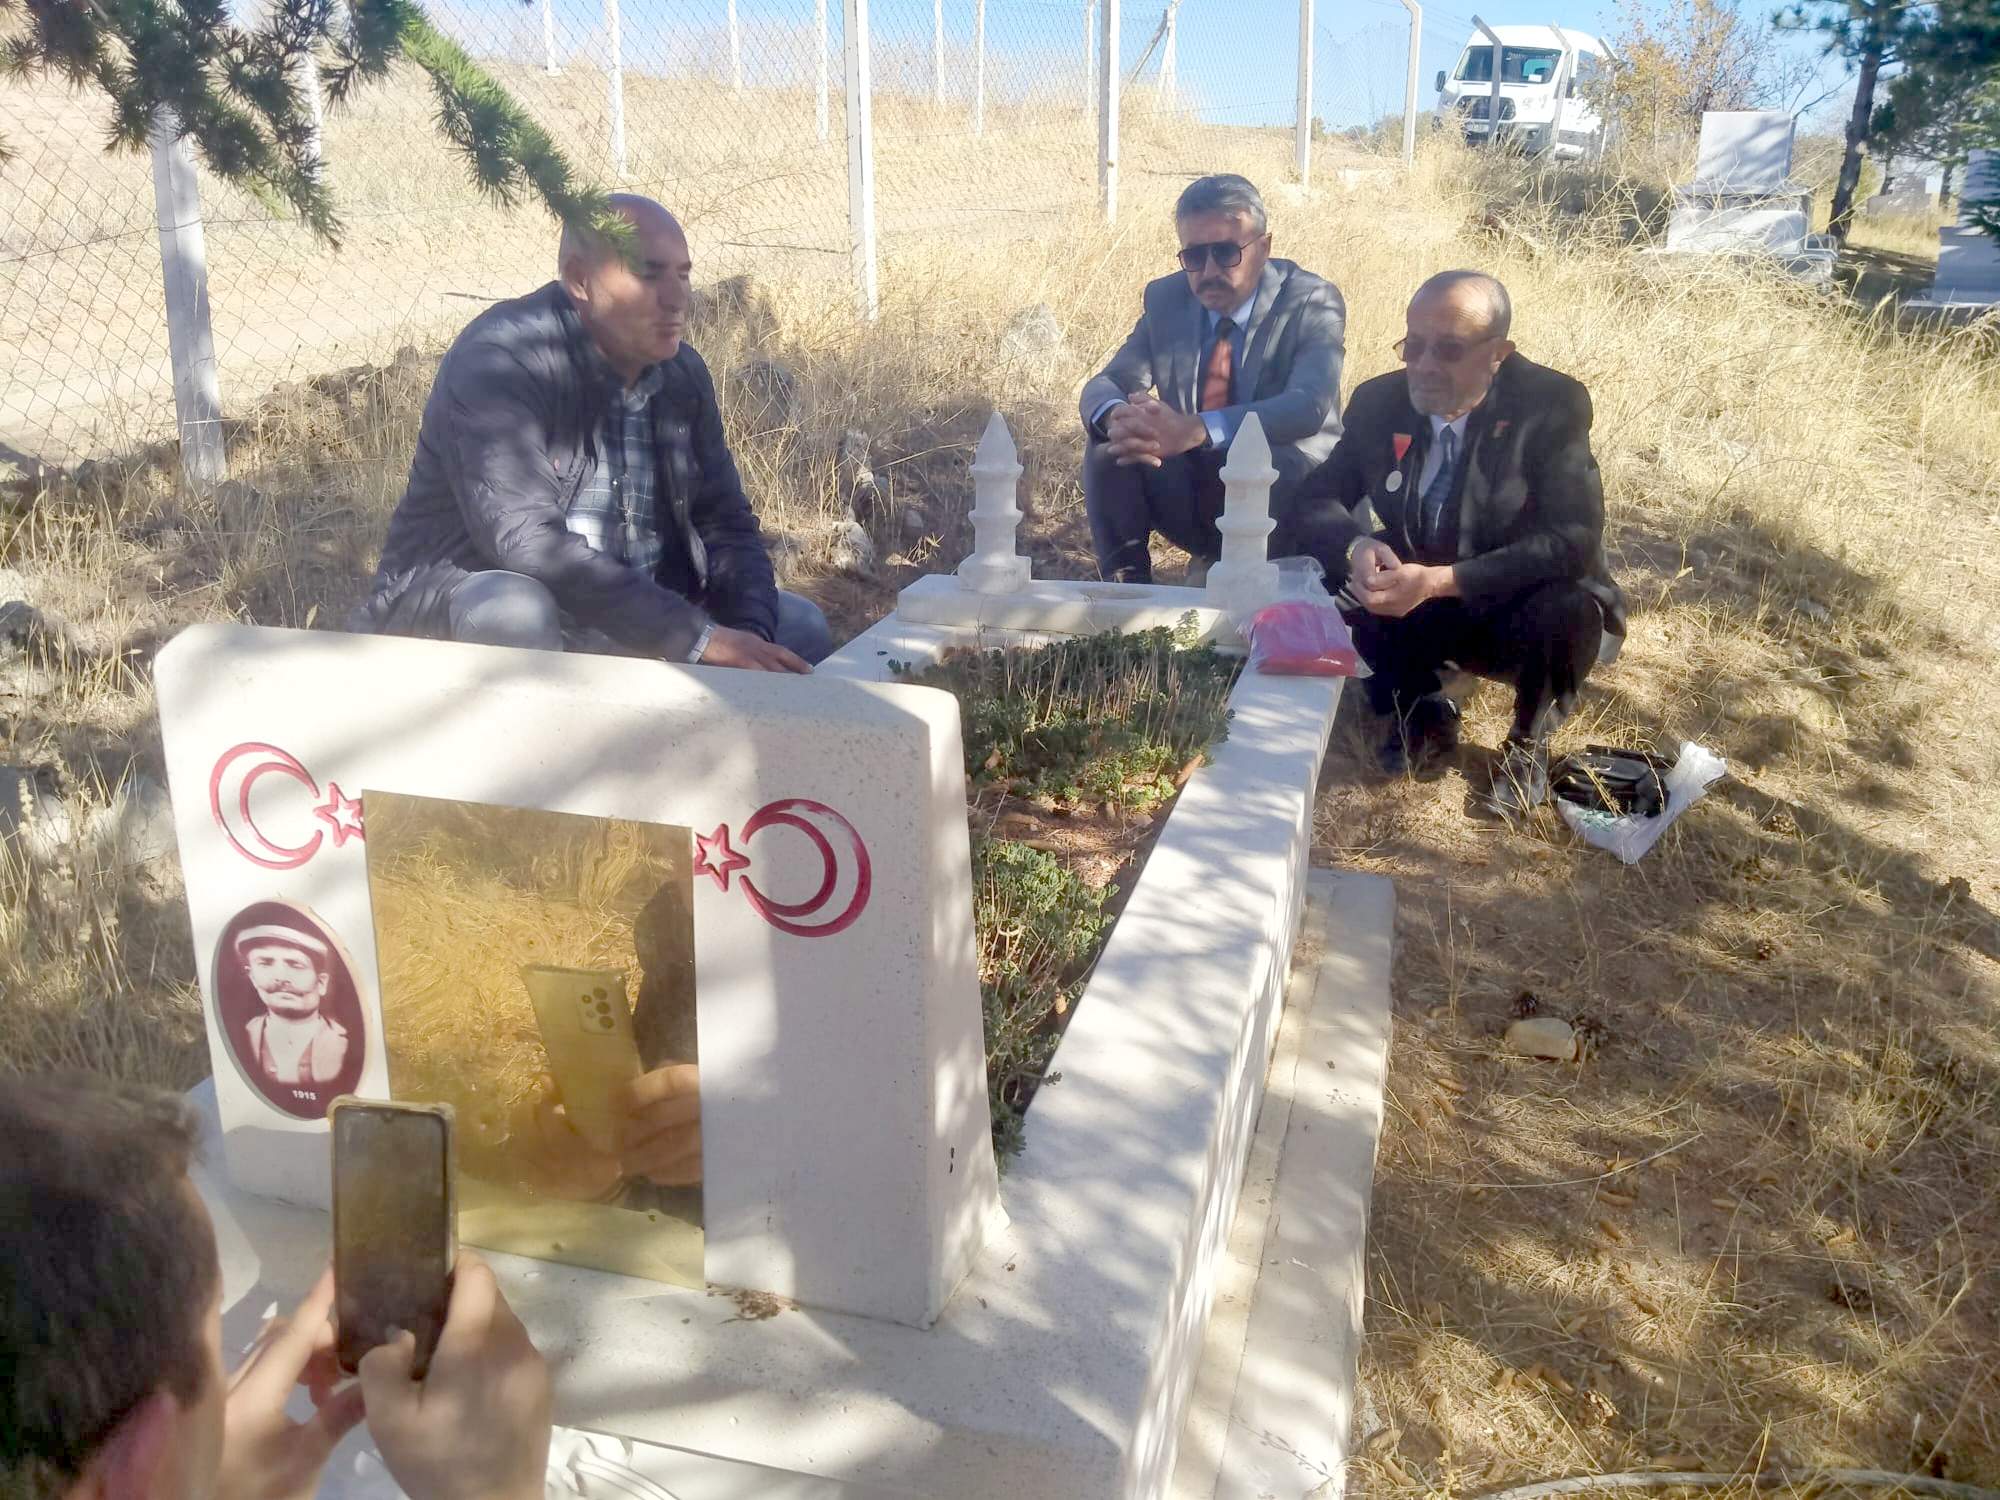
{"x":537,"y":974}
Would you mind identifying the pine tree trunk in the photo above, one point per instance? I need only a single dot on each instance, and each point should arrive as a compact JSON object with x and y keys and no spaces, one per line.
{"x":1842,"y":217}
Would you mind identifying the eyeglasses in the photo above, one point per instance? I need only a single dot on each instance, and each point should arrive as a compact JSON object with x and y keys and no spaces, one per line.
{"x":1448,"y":351}
{"x":1226,"y":254}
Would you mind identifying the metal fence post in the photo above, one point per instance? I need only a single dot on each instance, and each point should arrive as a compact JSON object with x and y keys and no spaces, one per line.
{"x":1167,"y":55}
{"x":617,"y":86}
{"x":190,"y":337}
{"x":937,"y":51}
{"x":1107,"y":113}
{"x":1089,"y":57}
{"x":735,"y":51}
{"x":819,"y":14}
{"x":1493,"y":99}
{"x":549,"y":37}
{"x":861,"y":159}
{"x":1410,"y":83}
{"x":979,"y":67}
{"x":1304,"y":129}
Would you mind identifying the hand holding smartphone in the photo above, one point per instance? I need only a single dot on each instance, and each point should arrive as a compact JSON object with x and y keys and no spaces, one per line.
{"x":394,"y":1225}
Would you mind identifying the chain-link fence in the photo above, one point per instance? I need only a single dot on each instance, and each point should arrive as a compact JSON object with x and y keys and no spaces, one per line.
{"x":735,"y":113}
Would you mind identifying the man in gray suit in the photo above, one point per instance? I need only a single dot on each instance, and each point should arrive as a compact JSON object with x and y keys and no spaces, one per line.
{"x":1235,"y":332}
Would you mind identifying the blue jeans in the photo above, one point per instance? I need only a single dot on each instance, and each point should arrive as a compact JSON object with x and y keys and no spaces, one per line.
{"x":498,"y":608}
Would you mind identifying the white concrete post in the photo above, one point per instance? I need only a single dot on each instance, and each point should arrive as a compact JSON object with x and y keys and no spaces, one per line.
{"x":1245,"y":577}
{"x":937,"y":52}
{"x":1303,"y":131}
{"x":1410,"y":83}
{"x":995,"y":566}
{"x":190,"y":338}
{"x":616,"y":29}
{"x":1107,"y":113}
{"x":315,"y":106}
{"x":735,"y":51}
{"x":819,"y":14}
{"x":1089,"y":57}
{"x":979,"y":67}
{"x":549,"y":37}
{"x":861,"y":160}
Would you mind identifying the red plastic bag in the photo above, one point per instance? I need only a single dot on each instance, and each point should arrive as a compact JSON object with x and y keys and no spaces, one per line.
{"x":1301,"y":633}
{"x":1302,"y":638}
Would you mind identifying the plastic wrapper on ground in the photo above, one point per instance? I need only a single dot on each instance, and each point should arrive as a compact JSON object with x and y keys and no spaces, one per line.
{"x":1694,"y":772}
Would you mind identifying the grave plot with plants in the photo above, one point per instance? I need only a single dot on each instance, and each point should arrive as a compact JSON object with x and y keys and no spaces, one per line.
{"x":1074,"y":753}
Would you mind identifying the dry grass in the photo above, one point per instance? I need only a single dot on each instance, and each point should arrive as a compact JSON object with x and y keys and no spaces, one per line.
{"x":1760,"y":1228}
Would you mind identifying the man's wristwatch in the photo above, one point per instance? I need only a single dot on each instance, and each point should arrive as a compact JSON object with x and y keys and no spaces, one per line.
{"x":701,"y":641}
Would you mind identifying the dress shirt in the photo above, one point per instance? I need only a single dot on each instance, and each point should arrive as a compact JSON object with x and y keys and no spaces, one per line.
{"x":1434,"y":455}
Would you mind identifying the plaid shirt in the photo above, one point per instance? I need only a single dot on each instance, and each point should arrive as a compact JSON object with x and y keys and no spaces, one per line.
{"x":617,"y":509}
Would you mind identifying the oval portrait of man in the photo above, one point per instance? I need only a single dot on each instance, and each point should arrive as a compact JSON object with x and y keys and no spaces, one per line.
{"x":285,"y":998}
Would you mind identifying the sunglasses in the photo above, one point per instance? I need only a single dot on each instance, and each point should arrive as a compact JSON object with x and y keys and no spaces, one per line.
{"x":1448,"y":351}
{"x":1226,"y":254}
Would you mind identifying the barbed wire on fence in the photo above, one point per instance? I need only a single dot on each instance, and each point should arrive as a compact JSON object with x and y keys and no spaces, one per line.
{"x":984,"y":121}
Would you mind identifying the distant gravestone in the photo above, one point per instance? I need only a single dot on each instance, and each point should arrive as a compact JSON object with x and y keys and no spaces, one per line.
{"x":1968,"y":265}
{"x":421,"y":866}
{"x":1904,"y":191}
{"x":1981,"y":185}
{"x":1744,"y":151}
{"x":1742,"y":199}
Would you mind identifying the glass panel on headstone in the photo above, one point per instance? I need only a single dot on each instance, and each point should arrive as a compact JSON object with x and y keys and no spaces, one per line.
{"x":537,"y":974}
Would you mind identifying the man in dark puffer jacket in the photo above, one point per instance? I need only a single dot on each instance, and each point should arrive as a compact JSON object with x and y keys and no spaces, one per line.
{"x":572,"y":487}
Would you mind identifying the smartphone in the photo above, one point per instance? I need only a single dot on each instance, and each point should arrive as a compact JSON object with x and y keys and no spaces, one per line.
{"x":395,"y":1224}
{"x":586,"y":1027}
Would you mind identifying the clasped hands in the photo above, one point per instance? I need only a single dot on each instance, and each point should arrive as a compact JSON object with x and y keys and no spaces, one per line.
{"x":1143,"y":429}
{"x":1383,"y":584}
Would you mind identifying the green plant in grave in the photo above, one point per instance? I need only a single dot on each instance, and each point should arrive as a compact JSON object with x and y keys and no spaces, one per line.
{"x":1101,"y":719}
{"x":1106,"y":719}
{"x":1040,"y":928}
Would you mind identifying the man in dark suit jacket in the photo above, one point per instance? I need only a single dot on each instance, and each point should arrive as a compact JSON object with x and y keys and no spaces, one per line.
{"x":1234,"y":332}
{"x":1486,"y":552}
{"x":572,"y":487}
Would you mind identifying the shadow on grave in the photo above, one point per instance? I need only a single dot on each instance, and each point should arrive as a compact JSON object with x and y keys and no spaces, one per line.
{"x":1798,"y":1009}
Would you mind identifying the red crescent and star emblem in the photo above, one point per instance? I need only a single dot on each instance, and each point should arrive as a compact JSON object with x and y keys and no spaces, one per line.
{"x":846,"y":876}
{"x":236,"y":774}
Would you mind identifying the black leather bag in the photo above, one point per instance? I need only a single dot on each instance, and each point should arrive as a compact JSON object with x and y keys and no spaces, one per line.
{"x":1603,"y":778}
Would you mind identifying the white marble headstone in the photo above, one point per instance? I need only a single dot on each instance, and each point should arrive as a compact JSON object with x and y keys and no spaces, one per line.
{"x":1744,"y":151}
{"x":847,"y":1157}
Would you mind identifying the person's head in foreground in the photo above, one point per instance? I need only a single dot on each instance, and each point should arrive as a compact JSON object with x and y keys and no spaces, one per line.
{"x":112,"y":1384}
{"x":634,"y":300}
{"x":1455,"y":341}
{"x":1225,"y":240}
{"x":288,"y":969}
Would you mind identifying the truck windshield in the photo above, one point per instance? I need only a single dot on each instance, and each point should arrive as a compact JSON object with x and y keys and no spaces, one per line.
{"x":1517,"y":64}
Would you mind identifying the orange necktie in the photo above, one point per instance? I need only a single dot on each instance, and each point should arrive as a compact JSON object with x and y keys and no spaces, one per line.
{"x":1220,"y":372}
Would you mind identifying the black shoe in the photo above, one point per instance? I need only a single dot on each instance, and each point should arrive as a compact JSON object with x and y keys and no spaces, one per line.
{"x":1520,"y":780}
{"x":1420,"y":737}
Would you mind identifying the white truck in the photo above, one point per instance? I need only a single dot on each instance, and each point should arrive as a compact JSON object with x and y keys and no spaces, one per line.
{"x":1535,"y":79}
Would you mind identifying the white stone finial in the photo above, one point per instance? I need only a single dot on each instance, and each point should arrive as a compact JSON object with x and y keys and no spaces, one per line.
{"x":1245,"y":577}
{"x":995,"y":566}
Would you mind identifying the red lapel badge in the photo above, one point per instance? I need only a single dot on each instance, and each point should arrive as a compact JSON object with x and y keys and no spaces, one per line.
{"x":1401,"y":443}
{"x":1500,"y":428}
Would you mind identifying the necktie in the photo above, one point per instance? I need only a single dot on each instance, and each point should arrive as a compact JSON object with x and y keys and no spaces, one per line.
{"x":1439,"y":490}
{"x":1220,"y":371}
